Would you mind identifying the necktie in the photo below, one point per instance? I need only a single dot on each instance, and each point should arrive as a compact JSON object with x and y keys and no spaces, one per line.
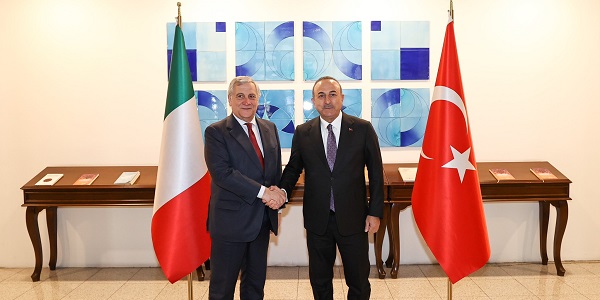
{"x":255,"y":144}
{"x":331,"y":151}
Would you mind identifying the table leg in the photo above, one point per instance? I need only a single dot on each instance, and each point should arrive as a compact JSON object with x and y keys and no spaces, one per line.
{"x":562,"y":214}
{"x":390,"y":259}
{"x":200,"y":273}
{"x":31,"y":220}
{"x":51,"y":221}
{"x":544,"y":216}
{"x":379,"y":235}
{"x":395,"y":235}
{"x":200,"y":270}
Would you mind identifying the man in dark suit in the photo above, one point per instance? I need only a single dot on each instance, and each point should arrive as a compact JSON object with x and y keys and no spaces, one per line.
{"x":243,"y":156}
{"x":333,"y":150}
{"x":335,"y":207}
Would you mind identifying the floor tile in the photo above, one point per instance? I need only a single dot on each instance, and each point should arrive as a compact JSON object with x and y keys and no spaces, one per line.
{"x":545,"y":286}
{"x":12,"y":290}
{"x":72,"y":274}
{"x":281,"y":289}
{"x":593,"y":267}
{"x":283,"y":273}
{"x":502,"y":287}
{"x":588,"y":286}
{"x":432,"y":271}
{"x":7,"y":272}
{"x":94,"y":291}
{"x":411,"y":288}
{"x":135,"y":291}
{"x":463,"y":288}
{"x":50,"y":290}
{"x":114,"y":274}
{"x":179,"y":290}
{"x":490,"y":270}
{"x":149,"y":274}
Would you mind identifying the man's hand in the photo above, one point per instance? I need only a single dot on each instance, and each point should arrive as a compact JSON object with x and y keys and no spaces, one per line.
{"x":372,"y":224}
{"x":273,"y":197}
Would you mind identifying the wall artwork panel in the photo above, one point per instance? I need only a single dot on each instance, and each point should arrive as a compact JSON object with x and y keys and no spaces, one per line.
{"x":212,"y":106}
{"x":400,"y":50}
{"x":277,"y":106}
{"x":399,"y":116}
{"x":333,"y":49}
{"x":206,"y":49}
{"x":265,"y":50}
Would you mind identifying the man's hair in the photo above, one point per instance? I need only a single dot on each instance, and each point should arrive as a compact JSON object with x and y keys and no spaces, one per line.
{"x":326,"y":78}
{"x":239,"y":81}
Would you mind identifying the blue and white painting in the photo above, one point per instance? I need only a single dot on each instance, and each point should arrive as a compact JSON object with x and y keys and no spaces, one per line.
{"x":265,"y":50}
{"x":333,"y":49}
{"x":399,"y":116}
{"x":205,"y":46}
{"x":400,"y":50}
{"x":277,"y":106}
{"x":212,"y":106}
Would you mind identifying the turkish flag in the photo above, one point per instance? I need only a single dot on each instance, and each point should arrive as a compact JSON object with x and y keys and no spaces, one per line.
{"x":446,"y":198}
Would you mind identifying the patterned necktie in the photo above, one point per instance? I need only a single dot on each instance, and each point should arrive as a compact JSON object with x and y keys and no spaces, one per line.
{"x":331,"y":151}
{"x":255,"y":144}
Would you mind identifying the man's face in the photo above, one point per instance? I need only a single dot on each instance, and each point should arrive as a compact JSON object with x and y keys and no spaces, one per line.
{"x":244,"y":101}
{"x":328,"y":99}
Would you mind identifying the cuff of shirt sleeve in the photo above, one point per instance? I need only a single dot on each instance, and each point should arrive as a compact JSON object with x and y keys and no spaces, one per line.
{"x":286,"y":196}
{"x":261,"y":193}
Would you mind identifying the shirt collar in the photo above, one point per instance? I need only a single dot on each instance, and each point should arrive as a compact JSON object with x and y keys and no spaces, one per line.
{"x":337,"y":122}
{"x":243,"y":123}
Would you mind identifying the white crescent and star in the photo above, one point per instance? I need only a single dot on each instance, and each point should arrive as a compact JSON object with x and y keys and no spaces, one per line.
{"x":460,"y":161}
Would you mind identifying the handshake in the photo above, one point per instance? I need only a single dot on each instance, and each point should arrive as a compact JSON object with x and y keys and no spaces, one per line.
{"x":274,"y":197}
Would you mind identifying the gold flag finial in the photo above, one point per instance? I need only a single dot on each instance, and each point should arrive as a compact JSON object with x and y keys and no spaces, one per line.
{"x":451,"y":10}
{"x":179,"y":14}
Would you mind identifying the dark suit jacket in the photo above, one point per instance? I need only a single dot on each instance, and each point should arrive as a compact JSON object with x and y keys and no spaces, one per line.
{"x":235,"y":213}
{"x":358,"y":147}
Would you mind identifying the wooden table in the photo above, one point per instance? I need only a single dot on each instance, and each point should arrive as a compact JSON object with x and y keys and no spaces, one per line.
{"x":102,"y":193}
{"x":525,"y":188}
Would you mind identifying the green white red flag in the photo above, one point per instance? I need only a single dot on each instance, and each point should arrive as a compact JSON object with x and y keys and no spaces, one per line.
{"x":179,"y":233}
{"x":446,"y":199}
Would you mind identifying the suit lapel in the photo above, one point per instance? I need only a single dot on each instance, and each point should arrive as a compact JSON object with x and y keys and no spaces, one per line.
{"x":238,"y":133}
{"x":315,"y":137}
{"x":345,"y":141}
{"x":268,"y":143}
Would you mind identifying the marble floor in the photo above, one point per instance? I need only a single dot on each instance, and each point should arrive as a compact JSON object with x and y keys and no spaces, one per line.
{"x":494,"y":281}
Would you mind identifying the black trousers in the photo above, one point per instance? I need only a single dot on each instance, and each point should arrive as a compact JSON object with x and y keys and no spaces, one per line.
{"x":228,"y":259}
{"x":354,"y":250}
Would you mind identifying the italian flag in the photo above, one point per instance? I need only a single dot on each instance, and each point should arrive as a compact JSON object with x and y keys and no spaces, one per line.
{"x":179,"y":234}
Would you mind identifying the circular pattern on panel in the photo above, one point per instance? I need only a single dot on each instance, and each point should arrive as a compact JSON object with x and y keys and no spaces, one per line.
{"x":401,"y":117}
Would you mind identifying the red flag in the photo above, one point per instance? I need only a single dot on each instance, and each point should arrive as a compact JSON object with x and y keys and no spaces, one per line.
{"x":446,"y":199}
{"x":179,"y":234}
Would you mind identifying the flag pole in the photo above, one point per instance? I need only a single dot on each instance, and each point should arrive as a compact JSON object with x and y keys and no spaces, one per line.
{"x":179,"y":14}
{"x":190,"y":287}
{"x":190,"y":281}
{"x":449,"y":292}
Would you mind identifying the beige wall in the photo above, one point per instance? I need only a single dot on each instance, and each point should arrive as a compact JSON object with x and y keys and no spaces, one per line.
{"x":84,"y":83}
